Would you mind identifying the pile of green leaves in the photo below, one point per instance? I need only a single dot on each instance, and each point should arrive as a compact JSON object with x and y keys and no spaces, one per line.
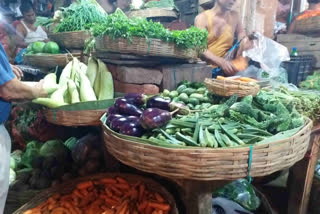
{"x":160,"y":4}
{"x":79,"y":15}
{"x":118,"y":25}
{"x":312,"y":82}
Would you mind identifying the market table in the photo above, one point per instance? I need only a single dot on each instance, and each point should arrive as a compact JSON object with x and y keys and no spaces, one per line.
{"x":301,"y":177}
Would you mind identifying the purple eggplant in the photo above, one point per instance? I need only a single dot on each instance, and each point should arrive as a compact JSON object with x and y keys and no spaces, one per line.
{"x":158,"y":102}
{"x":133,"y":119}
{"x":132,"y":129}
{"x":136,"y":98}
{"x":117,"y":123}
{"x":126,"y":108}
{"x":112,"y":110}
{"x":112,"y":117}
{"x":154,"y":118}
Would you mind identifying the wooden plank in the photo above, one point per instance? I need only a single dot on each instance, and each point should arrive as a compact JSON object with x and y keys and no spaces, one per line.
{"x":173,"y":74}
{"x":300,"y":180}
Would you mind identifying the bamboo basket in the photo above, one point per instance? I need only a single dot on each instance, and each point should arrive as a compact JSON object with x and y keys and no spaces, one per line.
{"x":142,"y":46}
{"x":153,"y":12}
{"x":16,"y":199}
{"x":308,"y":25}
{"x":209,"y":164}
{"x":74,"y":118}
{"x":49,"y":60}
{"x":68,"y":187}
{"x":71,"y":40}
{"x":228,"y":88}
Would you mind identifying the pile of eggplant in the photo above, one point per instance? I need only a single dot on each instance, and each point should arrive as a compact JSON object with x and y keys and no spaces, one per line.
{"x":135,"y":113}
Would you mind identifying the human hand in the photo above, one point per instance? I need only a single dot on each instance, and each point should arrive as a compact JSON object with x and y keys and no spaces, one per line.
{"x":39,"y":90}
{"x":17,"y":71}
{"x":228,"y":68}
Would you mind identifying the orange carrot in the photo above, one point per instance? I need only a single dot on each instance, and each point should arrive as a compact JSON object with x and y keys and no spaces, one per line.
{"x":122,"y":186}
{"x":108,"y":181}
{"x":141,"y":191}
{"x":108,"y":192}
{"x":158,"y":197}
{"x":111,"y":202}
{"x":121,"y":180}
{"x":116,"y":191}
{"x":160,"y":206}
{"x":84,"y":192}
{"x":85,"y":185}
{"x":116,"y":198}
{"x":77,"y":193}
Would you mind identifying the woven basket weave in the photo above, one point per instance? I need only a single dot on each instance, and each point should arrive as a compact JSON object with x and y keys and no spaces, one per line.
{"x":308,"y":25}
{"x":209,"y":164}
{"x":49,"y":60}
{"x":68,"y":187}
{"x":71,"y":40}
{"x":228,"y":88}
{"x":142,"y":46}
{"x":153,"y":12}
{"x":74,"y":118}
{"x":16,"y":199}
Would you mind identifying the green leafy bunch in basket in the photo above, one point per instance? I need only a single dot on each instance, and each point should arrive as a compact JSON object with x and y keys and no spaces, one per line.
{"x":118,"y":25}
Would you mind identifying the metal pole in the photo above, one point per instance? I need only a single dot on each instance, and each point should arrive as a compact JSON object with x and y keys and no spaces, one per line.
{"x":290,"y":14}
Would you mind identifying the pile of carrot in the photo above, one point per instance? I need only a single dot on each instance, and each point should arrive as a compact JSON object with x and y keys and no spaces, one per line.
{"x":242,"y":79}
{"x":105,"y":196}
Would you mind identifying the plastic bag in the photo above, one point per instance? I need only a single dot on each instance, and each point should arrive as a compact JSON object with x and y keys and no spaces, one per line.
{"x":269,"y":54}
{"x":241,"y":192}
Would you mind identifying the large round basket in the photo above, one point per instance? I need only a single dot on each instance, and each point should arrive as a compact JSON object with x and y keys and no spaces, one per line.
{"x":142,"y":46}
{"x":209,"y":164}
{"x":74,"y":118}
{"x":68,"y":187}
{"x":153,"y":12}
{"x":71,"y":40}
{"x":16,"y":199}
{"x":228,"y":87}
{"x":49,"y":60}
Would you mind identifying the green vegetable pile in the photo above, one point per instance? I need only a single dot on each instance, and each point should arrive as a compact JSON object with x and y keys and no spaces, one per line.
{"x":312,"y":82}
{"x":220,"y":122}
{"x":43,"y":48}
{"x":79,"y":15}
{"x":160,"y":4}
{"x":42,"y":165}
{"x":118,"y":25}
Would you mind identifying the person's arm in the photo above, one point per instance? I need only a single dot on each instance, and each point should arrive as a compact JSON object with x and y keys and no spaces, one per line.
{"x":21,"y":34}
{"x":240,"y":32}
{"x":226,"y":66}
{"x":15,"y":90}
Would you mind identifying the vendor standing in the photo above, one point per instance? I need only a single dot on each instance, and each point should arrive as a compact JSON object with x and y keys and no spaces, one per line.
{"x":27,"y":30}
{"x":224,"y":26}
{"x":11,"y":89}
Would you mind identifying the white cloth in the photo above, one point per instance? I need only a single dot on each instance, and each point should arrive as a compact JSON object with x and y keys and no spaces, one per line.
{"x":34,"y":36}
{"x":5,"y":149}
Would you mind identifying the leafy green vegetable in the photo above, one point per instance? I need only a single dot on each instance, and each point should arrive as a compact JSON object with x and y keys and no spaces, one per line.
{"x":54,"y":148}
{"x":79,"y":15}
{"x":31,"y":152}
{"x":118,"y":25}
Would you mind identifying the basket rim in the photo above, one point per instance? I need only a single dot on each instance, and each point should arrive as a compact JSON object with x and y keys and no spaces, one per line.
{"x":251,"y":84}
{"x":69,"y":32}
{"x":308,"y":125}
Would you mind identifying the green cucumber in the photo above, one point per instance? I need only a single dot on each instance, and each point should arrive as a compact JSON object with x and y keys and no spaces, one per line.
{"x":193,"y":101}
{"x":166,"y":93}
{"x":190,"y":105}
{"x":176,"y":99}
{"x":219,"y":139}
{"x":184,"y":97}
{"x":186,"y":140}
{"x":197,"y":96}
{"x":173,"y":94}
{"x":189,"y":91}
{"x":202,"y":139}
{"x":181,"y":88}
{"x":201,"y":90}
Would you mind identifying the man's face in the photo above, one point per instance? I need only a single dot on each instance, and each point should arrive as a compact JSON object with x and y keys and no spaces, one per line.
{"x":30,"y":17}
{"x":226,"y":4}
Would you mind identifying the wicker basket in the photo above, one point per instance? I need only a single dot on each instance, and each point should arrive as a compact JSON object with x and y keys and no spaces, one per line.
{"x":142,"y":46}
{"x":66,"y":188}
{"x":74,"y":118}
{"x":228,"y":88}
{"x":49,"y":60}
{"x":16,"y":199}
{"x":209,"y":164}
{"x":71,"y":40}
{"x":308,"y":25}
{"x":153,"y":12}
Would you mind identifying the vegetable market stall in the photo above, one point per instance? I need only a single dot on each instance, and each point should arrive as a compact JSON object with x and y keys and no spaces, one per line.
{"x":194,"y":168}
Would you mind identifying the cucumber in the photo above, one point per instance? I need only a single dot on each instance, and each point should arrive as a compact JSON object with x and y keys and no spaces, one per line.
{"x":184,"y":97}
{"x":189,"y":91}
{"x":166,"y":92}
{"x":181,"y":88}
{"x":205,"y":105}
{"x":193,"y":101}
{"x":190,"y":105}
{"x":197,"y":107}
{"x":186,"y":140}
{"x":201,"y":90}
{"x":176,"y":99}
{"x":173,"y":94}
{"x":198,"y":96}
